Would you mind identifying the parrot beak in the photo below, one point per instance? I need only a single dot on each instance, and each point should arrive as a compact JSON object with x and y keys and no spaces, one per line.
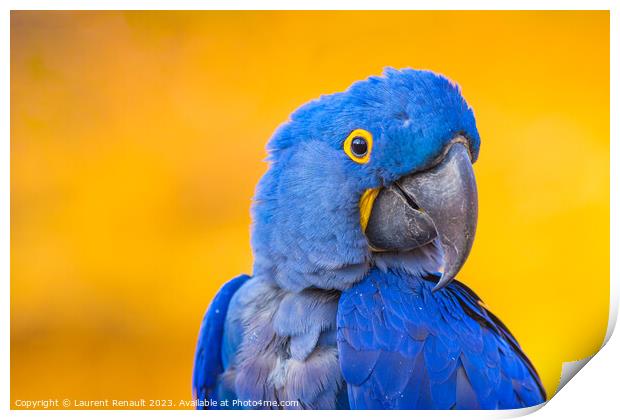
{"x":438,"y":203}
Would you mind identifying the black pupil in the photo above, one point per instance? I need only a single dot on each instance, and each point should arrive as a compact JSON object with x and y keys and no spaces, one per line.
{"x":359,"y":147}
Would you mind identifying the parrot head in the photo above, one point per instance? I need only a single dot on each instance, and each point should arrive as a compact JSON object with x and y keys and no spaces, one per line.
{"x":380,"y":174}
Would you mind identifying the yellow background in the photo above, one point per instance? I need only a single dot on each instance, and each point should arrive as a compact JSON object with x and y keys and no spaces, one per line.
{"x":137,"y":139}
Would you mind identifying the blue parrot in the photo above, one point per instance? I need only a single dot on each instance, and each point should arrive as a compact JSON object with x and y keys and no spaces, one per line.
{"x":366,"y":214}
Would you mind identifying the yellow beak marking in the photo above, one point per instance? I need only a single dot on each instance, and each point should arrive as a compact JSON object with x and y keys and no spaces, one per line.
{"x":366,"y":202}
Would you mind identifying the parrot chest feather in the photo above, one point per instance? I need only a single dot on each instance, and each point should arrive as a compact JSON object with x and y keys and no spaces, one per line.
{"x":288,"y":347}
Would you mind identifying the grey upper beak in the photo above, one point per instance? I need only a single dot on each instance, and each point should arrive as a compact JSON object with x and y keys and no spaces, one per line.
{"x":441,"y":202}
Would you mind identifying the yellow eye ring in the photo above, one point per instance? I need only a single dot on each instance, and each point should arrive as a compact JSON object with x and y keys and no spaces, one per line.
{"x":358,"y":146}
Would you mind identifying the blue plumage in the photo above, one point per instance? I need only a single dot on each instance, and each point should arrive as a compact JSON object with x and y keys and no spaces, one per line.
{"x":208,"y":363}
{"x":454,"y":355}
{"x":306,"y":229}
{"x":329,"y":321}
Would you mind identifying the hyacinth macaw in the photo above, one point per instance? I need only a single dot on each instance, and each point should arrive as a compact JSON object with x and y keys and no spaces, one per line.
{"x":367,"y":212}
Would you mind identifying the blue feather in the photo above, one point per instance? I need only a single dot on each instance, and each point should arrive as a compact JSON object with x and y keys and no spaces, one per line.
{"x":466,"y":360}
{"x":208,"y":364}
{"x":362,"y":363}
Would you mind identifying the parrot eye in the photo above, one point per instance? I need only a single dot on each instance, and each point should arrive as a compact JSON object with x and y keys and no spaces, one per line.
{"x":358,"y":146}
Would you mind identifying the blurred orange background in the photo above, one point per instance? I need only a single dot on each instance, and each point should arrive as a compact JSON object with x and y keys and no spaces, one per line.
{"x":137,"y":139}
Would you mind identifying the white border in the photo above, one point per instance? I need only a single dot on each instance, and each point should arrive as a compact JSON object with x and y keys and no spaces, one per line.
{"x":595,"y":393}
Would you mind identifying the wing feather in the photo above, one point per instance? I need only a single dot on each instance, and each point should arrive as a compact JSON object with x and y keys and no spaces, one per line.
{"x":208,"y":359}
{"x":403,"y":346}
